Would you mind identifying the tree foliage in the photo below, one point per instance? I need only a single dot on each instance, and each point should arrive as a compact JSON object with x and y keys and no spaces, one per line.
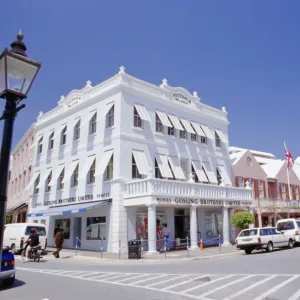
{"x":7,"y":219}
{"x":242,"y":219}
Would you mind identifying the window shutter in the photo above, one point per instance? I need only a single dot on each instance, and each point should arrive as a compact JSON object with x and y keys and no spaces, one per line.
{"x":256,"y":190}
{"x":236,"y":181}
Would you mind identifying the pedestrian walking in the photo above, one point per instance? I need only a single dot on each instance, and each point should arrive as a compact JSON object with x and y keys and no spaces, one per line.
{"x":58,"y":242}
{"x":56,"y":230}
{"x":166,"y":234}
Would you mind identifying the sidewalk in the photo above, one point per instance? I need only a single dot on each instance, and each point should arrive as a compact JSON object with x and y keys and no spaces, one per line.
{"x":197,"y":254}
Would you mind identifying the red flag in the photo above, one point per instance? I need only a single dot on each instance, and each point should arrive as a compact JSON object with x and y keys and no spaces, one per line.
{"x":288,"y":157}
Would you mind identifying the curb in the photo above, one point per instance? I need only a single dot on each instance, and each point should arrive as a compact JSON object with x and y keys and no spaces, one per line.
{"x":145,"y":261}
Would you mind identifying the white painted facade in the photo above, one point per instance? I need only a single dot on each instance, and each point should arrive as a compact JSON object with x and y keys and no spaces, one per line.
{"x":131,"y":139}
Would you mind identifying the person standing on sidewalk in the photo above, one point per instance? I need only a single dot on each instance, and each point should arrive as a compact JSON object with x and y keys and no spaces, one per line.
{"x":166,"y":234}
{"x":58,"y":242}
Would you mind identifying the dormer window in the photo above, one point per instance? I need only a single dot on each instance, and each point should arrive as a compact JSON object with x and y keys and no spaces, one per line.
{"x":40,"y":145}
{"x":77,"y":131}
{"x":110,"y":118}
{"x":51,"y":141}
{"x":64,"y":136}
{"x":218,"y":140}
{"x":137,"y":121}
{"x":158,"y":124}
{"x":93,"y":124}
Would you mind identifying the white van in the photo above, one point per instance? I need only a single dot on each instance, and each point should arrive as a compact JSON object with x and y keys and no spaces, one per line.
{"x":290,"y":228}
{"x":17,"y":233}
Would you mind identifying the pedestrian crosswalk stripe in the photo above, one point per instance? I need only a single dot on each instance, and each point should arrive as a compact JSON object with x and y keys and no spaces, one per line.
{"x":194,"y":286}
{"x":276,"y":288}
{"x":252,"y":286}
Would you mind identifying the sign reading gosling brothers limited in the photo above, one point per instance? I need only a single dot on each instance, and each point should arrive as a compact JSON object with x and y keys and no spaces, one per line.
{"x":201,"y":202}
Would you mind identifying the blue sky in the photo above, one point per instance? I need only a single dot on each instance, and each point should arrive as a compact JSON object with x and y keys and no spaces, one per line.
{"x":241,"y":54}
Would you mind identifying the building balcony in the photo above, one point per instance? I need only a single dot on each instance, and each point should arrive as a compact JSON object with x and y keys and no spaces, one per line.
{"x":269,"y":205}
{"x":168,"y":188}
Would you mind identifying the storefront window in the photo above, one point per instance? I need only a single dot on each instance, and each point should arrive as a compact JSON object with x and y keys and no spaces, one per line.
{"x":213,"y":224}
{"x":64,"y":224}
{"x":95,"y":228}
{"x":142,"y":224}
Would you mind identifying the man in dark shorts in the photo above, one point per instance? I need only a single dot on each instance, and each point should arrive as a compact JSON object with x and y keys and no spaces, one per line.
{"x":32,"y":241}
{"x":56,"y":230}
{"x":58,"y":242}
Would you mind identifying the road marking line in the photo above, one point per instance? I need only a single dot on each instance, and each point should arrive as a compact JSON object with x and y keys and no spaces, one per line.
{"x":139,"y":276}
{"x":100,"y":276}
{"x":224,"y":286}
{"x":147,"y":279}
{"x":277,"y":287}
{"x":183,"y":282}
{"x":250,"y":287}
{"x":117,"y":276}
{"x":157,"y":283}
{"x":90,"y":273}
{"x":295,"y":296}
{"x":184,"y":292}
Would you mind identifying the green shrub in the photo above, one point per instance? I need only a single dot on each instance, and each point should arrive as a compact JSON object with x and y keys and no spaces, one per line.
{"x":242,"y":219}
{"x":7,"y":219}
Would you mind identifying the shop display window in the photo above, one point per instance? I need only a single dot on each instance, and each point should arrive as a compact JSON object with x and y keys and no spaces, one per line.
{"x":95,"y":228}
{"x":213,"y":224}
{"x":142,"y":224}
{"x":64,"y":224}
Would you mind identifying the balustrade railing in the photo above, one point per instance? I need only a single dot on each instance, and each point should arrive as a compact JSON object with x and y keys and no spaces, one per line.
{"x":276,"y":203}
{"x":155,"y":186}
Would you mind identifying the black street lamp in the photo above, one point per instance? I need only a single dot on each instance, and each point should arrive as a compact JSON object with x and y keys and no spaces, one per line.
{"x":17,"y":73}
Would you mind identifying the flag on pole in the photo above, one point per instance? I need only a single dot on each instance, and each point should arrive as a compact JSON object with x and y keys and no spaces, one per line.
{"x":288,"y":157}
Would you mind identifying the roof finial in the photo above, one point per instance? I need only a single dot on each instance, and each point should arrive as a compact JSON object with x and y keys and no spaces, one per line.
{"x":88,"y":83}
{"x":164,"y":83}
{"x":122,"y":70}
{"x":20,"y":35}
{"x":18,"y":46}
{"x":224,"y":109}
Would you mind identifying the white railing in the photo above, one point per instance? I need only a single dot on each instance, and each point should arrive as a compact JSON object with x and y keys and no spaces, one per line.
{"x":146,"y":187}
{"x":276,"y":203}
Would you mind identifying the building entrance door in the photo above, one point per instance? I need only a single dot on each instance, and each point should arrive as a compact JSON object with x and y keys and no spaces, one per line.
{"x":182,"y":223}
{"x":77,"y":231}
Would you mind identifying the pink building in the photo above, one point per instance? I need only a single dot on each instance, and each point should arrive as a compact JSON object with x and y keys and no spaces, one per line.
{"x":21,"y":165}
{"x":268,"y":178}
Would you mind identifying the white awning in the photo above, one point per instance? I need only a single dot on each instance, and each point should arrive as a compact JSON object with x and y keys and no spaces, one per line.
{"x":44,"y":177}
{"x":207,"y":132}
{"x":176,"y":123}
{"x":176,"y":167}
{"x":209,"y":172}
{"x":187,"y":126}
{"x":102,"y":164}
{"x":199,"y":171}
{"x":198,"y":129}
{"x":86,"y":167}
{"x":164,"y":118}
{"x":141,"y":162}
{"x":224,"y":175}
{"x":32,"y":180}
{"x":70,"y":171}
{"x":221,"y":136}
{"x":56,"y":174}
{"x":162,"y":162}
{"x":142,"y":112}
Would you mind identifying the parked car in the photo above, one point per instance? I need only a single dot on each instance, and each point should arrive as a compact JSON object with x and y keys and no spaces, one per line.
{"x":17,"y":233}
{"x":290,"y":228}
{"x":7,"y":272}
{"x":266,"y":238}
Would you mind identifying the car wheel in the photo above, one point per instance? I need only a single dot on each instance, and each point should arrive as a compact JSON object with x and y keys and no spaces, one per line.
{"x":291,"y":244}
{"x":248,"y":251}
{"x":270,"y":247}
{"x":8,"y":281}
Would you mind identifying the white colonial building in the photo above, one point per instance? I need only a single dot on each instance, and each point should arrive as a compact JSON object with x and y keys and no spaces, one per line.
{"x":119,"y":160}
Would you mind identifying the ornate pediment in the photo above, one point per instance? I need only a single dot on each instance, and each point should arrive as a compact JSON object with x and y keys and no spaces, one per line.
{"x":180,"y":94}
